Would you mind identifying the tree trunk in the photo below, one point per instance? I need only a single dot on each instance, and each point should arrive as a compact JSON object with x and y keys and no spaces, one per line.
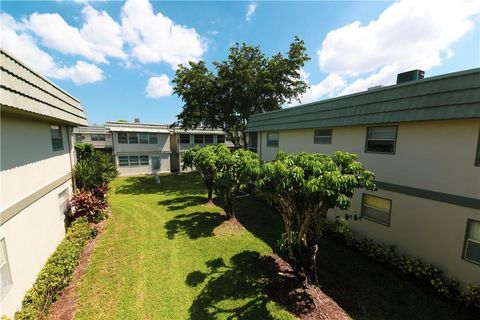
{"x":210,"y":194}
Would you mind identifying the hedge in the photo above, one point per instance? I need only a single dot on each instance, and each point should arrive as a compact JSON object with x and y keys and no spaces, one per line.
{"x":57,"y":272}
{"x":412,"y":267}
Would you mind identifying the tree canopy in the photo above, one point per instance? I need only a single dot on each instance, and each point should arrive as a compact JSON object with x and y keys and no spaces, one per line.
{"x":303,"y":187}
{"x":247,"y":82}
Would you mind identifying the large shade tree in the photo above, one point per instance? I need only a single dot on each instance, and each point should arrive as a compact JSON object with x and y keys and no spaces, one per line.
{"x":303,"y":188}
{"x":247,"y":82}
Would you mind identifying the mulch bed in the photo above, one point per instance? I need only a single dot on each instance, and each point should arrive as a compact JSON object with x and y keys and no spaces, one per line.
{"x":64,"y":307}
{"x":305,"y":303}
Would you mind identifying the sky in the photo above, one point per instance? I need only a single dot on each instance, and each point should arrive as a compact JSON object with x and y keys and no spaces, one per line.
{"x":119,"y":58}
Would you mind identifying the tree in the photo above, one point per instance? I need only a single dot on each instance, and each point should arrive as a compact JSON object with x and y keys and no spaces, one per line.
{"x":84,"y":150}
{"x":303,"y":187}
{"x":234,"y":170}
{"x":247,"y":82}
{"x":204,"y":160}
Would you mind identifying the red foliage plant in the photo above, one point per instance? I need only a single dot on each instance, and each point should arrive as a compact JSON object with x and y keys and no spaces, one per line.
{"x":91,"y":205}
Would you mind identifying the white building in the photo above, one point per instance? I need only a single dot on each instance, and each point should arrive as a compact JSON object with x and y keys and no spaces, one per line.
{"x":37,"y":119}
{"x":421,"y":138}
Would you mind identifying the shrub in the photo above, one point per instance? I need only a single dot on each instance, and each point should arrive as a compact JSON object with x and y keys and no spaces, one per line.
{"x":84,"y":150}
{"x":412,"y":267}
{"x":89,"y":204}
{"x":94,"y":170}
{"x":57,"y":272}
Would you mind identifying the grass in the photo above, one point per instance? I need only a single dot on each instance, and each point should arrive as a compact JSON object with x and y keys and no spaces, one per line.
{"x":166,"y":255}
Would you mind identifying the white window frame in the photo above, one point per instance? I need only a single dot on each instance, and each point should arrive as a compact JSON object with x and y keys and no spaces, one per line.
{"x":389,"y":212}
{"x":317,"y":136}
{"x":56,"y":128}
{"x":467,"y":240}
{"x":5,"y":267}
{"x":273,"y":143}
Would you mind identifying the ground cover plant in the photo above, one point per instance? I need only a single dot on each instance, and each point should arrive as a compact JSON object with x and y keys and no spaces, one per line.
{"x":161,"y":257}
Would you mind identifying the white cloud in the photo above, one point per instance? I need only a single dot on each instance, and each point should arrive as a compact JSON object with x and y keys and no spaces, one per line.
{"x":156,"y":38}
{"x":213,"y":32}
{"x":159,"y":87}
{"x":82,"y":72}
{"x":252,"y":7}
{"x":409,"y":34}
{"x":15,"y":39}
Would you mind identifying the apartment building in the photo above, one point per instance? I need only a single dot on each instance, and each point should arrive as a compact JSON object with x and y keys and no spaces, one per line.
{"x":37,"y":119}
{"x":182,"y":140}
{"x":421,"y":138}
{"x":98,"y":136}
{"x":140,"y":148}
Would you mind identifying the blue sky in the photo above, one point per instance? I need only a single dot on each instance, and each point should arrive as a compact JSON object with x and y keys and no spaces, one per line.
{"x":118,"y":57}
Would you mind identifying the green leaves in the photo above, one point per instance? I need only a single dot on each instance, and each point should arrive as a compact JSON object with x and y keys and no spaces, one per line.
{"x":247,"y":82}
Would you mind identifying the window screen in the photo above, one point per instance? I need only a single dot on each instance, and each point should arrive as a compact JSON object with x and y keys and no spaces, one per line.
{"x":184,"y":138}
{"x":143,"y":138}
{"x":98,"y":137}
{"x":472,"y":242}
{"x":123,"y":161}
{"x":57,"y":140}
{"x":381,"y":139}
{"x":208,"y":139}
{"x":144,"y":160}
{"x":199,"y":138}
{"x":152,"y":138}
{"x":122,"y":138}
{"x":322,"y":136}
{"x":272,"y":139}
{"x":376,"y":209}
{"x":133,"y":138}
{"x":220,"y":138}
{"x":133,"y":160}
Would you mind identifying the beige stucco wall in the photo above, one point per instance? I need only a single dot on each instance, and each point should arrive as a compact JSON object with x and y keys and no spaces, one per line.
{"x":28,"y":162}
{"x":435,"y":155}
{"x":31,"y":237}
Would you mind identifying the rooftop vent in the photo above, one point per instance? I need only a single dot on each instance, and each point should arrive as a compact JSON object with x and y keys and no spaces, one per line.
{"x":375,"y":88}
{"x":410,"y":76}
{"x":137,"y":120}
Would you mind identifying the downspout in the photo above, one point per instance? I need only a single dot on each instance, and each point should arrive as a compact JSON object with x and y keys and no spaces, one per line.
{"x":73,"y":160}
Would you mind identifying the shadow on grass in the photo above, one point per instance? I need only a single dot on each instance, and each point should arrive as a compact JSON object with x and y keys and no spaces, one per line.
{"x":236,"y":291}
{"x":169,"y":184}
{"x":195,"y":225}
{"x":180,"y":203}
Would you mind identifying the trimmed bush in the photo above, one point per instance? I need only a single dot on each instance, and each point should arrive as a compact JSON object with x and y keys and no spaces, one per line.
{"x":89,"y":204}
{"x":412,"y":267}
{"x":84,"y":150}
{"x":57,"y":272}
{"x":94,"y":170}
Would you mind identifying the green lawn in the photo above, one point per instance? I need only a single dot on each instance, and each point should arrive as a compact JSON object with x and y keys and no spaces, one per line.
{"x":166,"y":255}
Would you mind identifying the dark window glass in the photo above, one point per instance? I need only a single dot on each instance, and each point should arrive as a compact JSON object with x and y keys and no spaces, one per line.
{"x":152,"y":138}
{"x":122,"y":138}
{"x":123,"y":161}
{"x":220,"y":138}
{"x":133,"y":160}
{"x":143,"y":138}
{"x":252,"y":141}
{"x":57,"y":139}
{"x":381,"y":139}
{"x":98,"y":137}
{"x":322,"y":136}
{"x":133,"y":138}
{"x":144,"y":160}
{"x":184,"y":138}
{"x":272,"y":139}
{"x":472,"y":242}
{"x":208,"y":139}
{"x":199,"y":138}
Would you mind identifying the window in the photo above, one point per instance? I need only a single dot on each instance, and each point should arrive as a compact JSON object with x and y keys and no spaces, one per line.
{"x":199,"y":138}
{"x":122,"y":138}
{"x":376,"y":209}
{"x":57,"y":140}
{"x":322,"y":136}
{"x":98,"y":137}
{"x":144,"y":160}
{"x":63,"y":203}
{"x":252,"y":141}
{"x":6,"y":279}
{"x":123,"y":161}
{"x":143,"y":137}
{"x":152,"y":138}
{"x":220,"y":138}
{"x":477,"y":156}
{"x":78,"y":138}
{"x":272,"y":139}
{"x":381,"y":139}
{"x":133,"y":138}
{"x":184,"y":138}
{"x":155,"y":163}
{"x":208,"y":139}
{"x":133,"y":160}
{"x":471,"y":251}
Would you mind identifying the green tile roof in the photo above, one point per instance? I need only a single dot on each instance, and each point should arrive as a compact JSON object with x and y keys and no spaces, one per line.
{"x":450,"y":96}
